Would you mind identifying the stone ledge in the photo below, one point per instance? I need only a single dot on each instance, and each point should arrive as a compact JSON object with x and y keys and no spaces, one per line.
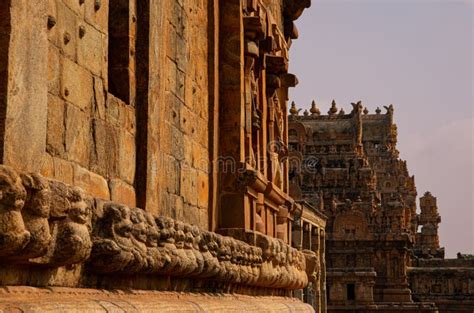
{"x":29,"y":299}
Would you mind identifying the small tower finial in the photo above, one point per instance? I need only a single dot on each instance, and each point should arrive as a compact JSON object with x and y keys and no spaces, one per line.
{"x":342,"y":112}
{"x":305,"y":113}
{"x":378,"y":111}
{"x":314,"y":109}
{"x":293,"y":110}
{"x":333,"y":109}
{"x":389,"y":109}
{"x":366,"y":111}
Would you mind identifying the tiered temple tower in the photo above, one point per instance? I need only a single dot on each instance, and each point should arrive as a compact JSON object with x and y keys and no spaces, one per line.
{"x":427,"y":240}
{"x":349,"y":162}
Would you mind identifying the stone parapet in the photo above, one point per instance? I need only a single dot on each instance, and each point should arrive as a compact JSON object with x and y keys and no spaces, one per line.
{"x":443,"y":263}
{"x":49,"y":224}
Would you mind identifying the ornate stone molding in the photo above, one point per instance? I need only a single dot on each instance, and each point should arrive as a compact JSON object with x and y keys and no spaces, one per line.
{"x":48,"y":223}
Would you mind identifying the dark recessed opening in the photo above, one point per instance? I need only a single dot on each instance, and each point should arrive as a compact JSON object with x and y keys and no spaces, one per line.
{"x":351,"y":292}
{"x":119,"y":49}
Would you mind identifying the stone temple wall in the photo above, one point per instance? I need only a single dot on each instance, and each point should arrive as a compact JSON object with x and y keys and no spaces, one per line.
{"x":447,"y":282}
{"x":184,"y":191}
{"x":81,"y":99}
{"x":111,"y":115}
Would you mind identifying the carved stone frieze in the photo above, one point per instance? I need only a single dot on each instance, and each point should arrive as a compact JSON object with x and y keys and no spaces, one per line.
{"x":42,"y":221}
{"x":47,"y":223}
{"x":129,"y":240}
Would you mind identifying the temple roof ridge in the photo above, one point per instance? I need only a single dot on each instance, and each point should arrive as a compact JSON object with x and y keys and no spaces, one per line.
{"x":337,"y":112}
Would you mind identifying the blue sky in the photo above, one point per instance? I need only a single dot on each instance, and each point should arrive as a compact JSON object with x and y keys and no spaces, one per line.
{"x":418,"y":56}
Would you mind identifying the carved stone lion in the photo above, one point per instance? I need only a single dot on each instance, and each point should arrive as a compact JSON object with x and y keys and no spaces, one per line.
{"x":73,"y":243}
{"x":13,"y":234}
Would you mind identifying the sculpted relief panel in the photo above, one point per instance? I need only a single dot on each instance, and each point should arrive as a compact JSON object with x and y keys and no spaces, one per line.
{"x":45,"y":222}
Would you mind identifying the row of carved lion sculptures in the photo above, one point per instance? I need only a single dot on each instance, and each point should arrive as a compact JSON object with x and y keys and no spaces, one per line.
{"x":42,"y":221}
{"x":47,"y":222}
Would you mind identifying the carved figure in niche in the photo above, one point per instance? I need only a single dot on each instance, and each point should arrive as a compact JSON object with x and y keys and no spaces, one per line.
{"x":318,"y":180}
{"x":256,"y":113}
{"x":395,"y":267}
{"x":259,"y":223}
{"x":333,"y":204}
{"x":112,"y":245}
{"x":35,"y":216}
{"x":13,"y":233}
{"x":73,"y":242}
{"x":279,"y":117}
{"x":252,"y":113}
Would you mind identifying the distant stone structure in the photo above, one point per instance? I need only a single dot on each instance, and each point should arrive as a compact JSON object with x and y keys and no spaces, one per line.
{"x":309,"y":235}
{"x":427,"y":240}
{"x":348,"y":164}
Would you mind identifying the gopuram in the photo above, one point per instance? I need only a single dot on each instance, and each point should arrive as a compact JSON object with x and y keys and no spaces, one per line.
{"x":381,"y":255}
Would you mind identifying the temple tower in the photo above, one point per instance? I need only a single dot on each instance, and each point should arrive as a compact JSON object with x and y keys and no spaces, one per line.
{"x":427,"y":240}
